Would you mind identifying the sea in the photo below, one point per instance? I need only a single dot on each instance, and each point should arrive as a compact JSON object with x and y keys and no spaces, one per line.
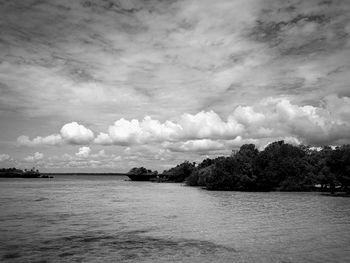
{"x":111,"y":219}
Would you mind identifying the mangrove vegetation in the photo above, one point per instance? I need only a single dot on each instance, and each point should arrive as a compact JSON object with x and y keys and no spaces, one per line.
{"x":279,"y":167}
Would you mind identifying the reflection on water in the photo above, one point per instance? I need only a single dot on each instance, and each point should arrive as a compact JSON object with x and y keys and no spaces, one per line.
{"x":109,"y":219}
{"x":122,"y":246}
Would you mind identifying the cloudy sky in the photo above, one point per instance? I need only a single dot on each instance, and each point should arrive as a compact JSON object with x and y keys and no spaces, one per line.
{"x":106,"y":85}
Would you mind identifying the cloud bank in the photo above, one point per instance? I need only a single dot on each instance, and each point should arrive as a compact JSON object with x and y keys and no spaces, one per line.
{"x":71,"y":133}
{"x":171,"y":79}
{"x":34,"y":158}
{"x":270,"y":119}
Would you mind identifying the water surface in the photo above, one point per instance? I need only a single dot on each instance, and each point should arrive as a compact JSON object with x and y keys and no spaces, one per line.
{"x":110,"y":219}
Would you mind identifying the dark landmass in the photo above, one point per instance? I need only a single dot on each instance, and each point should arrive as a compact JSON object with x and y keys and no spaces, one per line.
{"x":18,"y":173}
{"x":141,"y":174}
{"x":87,"y":174}
{"x":279,"y":167}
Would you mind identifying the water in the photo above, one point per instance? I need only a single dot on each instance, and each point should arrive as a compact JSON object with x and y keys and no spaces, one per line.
{"x":109,"y":219}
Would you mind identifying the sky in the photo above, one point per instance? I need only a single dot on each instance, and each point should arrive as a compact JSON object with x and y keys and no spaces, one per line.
{"x":107,"y":85}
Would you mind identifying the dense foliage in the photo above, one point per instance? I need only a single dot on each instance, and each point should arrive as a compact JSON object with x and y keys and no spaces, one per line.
{"x":14,"y":172}
{"x":279,"y":166}
{"x":141,"y":171}
{"x":141,"y":174}
{"x":180,"y":172}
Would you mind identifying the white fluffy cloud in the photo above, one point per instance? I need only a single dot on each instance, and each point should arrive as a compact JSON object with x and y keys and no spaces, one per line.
{"x":124,"y":132}
{"x":4,"y":157}
{"x":202,"y":125}
{"x":103,"y":139}
{"x":33,"y":158}
{"x":86,"y":158}
{"x":76,"y":134}
{"x":72,"y":133}
{"x":83,"y":152}
{"x":202,"y":145}
{"x":273,"y":118}
{"x":54,"y":139}
{"x":208,"y":125}
{"x":270,"y":119}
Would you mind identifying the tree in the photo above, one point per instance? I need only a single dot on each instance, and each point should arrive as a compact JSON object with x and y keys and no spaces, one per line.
{"x":180,"y":172}
{"x":285,"y":167}
{"x":339,"y":163}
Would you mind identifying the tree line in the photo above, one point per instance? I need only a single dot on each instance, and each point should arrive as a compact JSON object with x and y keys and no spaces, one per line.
{"x":18,"y":173}
{"x":280,"y":166}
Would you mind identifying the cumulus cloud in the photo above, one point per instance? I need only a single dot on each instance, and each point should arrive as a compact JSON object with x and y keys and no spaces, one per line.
{"x":33,"y":158}
{"x":72,"y":133}
{"x":208,"y":125}
{"x":101,"y":153}
{"x":270,"y":119}
{"x":86,"y":158}
{"x":199,"y":126}
{"x":75,"y":133}
{"x":192,"y":136}
{"x":103,"y":139}
{"x":124,"y":132}
{"x":54,"y":139}
{"x":83,"y":152}
{"x":4,"y":157}
{"x":276,"y":117}
{"x":205,"y":145}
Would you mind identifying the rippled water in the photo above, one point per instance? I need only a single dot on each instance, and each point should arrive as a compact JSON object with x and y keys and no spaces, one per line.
{"x":109,"y":219}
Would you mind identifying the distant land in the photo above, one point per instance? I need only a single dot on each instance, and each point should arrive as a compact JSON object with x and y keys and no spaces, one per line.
{"x":77,"y":174}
